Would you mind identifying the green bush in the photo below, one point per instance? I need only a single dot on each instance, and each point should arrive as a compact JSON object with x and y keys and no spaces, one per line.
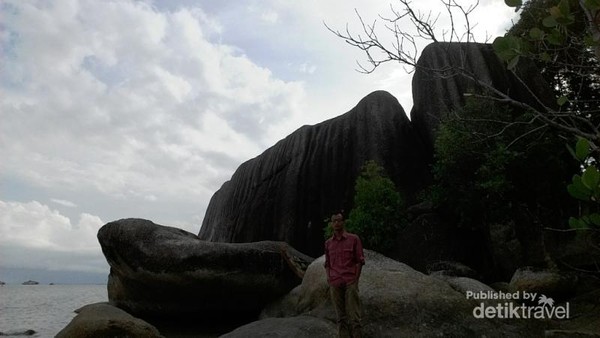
{"x":586,"y":188}
{"x":378,"y":210}
{"x":493,"y":165}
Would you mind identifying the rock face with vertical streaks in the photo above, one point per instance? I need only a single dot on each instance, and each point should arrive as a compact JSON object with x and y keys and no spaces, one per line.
{"x":447,"y":73}
{"x":286,"y":192}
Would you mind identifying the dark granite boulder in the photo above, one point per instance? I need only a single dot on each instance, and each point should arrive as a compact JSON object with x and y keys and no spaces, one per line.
{"x":447,"y":71}
{"x":286,"y":192}
{"x":168,"y":273}
{"x":446,"y":75}
{"x":556,"y":284}
{"x":297,"y":327}
{"x":102,"y":320}
{"x":397,"y":301}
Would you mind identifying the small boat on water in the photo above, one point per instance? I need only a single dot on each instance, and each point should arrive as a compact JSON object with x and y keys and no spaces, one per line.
{"x":31,"y":282}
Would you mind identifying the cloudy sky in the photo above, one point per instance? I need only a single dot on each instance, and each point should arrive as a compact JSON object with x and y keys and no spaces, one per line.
{"x":119,"y":108}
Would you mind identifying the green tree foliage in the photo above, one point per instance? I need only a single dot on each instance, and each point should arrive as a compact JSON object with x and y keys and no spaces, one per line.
{"x":378,"y":209}
{"x":495,"y":163}
{"x":559,"y":38}
{"x":555,"y":35}
{"x":492,"y":163}
{"x":586,"y":188}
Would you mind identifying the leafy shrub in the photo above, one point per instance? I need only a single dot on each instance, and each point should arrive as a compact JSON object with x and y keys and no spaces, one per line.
{"x":378,"y":209}
{"x":492,"y":163}
{"x":586,"y":188}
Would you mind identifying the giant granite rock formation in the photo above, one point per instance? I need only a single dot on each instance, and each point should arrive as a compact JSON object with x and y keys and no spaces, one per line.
{"x":168,"y":273}
{"x":286,"y":192}
{"x":447,"y":74}
{"x":447,"y":71}
{"x":165,"y":273}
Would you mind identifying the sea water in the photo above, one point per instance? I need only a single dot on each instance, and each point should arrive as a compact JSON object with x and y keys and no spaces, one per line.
{"x":45,"y":309}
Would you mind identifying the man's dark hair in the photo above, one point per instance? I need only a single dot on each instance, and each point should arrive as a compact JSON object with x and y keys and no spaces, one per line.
{"x":340,"y":212}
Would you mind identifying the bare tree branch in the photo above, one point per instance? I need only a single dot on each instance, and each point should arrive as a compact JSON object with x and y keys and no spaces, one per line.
{"x":404,"y":50}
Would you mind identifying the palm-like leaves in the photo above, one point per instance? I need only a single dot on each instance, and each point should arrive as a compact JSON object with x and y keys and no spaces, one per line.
{"x":543,"y":300}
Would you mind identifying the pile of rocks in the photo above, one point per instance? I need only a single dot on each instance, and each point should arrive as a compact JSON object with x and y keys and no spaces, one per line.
{"x":166,"y":275}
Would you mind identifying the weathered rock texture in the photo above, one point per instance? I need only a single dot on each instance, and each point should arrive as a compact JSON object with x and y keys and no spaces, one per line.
{"x":446,"y":72}
{"x":104,"y":320}
{"x":168,"y":273}
{"x":286,"y":192}
{"x":555,"y":284}
{"x":297,"y":327}
{"x":398,"y":301}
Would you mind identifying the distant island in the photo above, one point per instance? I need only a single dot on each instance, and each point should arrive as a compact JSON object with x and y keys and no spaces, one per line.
{"x":31,"y":282}
{"x":2,"y":283}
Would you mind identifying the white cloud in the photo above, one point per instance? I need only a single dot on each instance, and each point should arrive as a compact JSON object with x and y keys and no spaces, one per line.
{"x":32,"y":235}
{"x":121,"y":97}
{"x":64,"y":203}
{"x":145,"y":108}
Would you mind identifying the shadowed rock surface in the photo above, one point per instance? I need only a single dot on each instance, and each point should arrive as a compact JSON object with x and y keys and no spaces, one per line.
{"x":441,"y":81}
{"x":297,"y":327}
{"x":286,"y":192}
{"x":555,"y":284}
{"x":398,"y":301}
{"x":168,"y":273}
{"x":438,"y":86}
{"x":104,"y":320}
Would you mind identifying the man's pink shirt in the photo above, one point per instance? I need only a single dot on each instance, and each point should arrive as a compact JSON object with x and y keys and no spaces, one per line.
{"x":342,"y":254}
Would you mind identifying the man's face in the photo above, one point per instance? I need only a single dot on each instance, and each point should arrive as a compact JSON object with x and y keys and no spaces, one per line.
{"x":337,"y":222}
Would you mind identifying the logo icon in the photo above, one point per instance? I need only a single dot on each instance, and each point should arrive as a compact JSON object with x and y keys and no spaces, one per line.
{"x":545,"y":301}
{"x":519,"y":305}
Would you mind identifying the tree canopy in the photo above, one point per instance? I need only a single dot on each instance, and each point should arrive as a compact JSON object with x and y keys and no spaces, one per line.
{"x":562,"y":37}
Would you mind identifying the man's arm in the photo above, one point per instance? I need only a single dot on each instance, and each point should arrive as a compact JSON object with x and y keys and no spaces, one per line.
{"x":359,"y":257}
{"x":358,"y":270}
{"x":326,"y":261}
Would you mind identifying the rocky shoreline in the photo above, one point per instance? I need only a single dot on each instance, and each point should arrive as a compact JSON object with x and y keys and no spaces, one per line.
{"x":219,"y":281}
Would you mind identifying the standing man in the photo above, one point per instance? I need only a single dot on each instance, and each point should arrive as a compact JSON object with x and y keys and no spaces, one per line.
{"x":344,"y":259}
